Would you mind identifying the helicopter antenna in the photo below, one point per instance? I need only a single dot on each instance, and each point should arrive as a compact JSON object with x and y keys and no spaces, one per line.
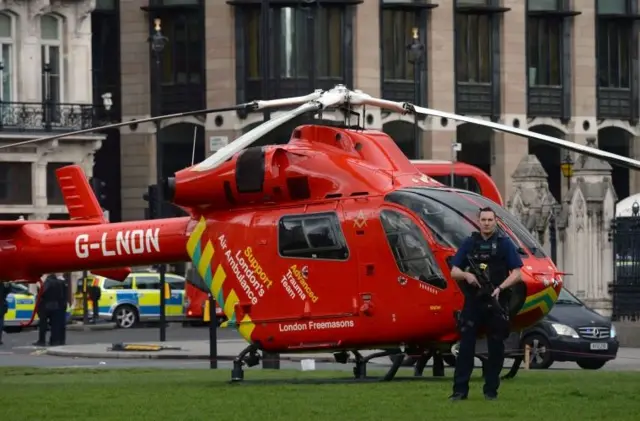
{"x":364,"y":119}
{"x":193,"y":149}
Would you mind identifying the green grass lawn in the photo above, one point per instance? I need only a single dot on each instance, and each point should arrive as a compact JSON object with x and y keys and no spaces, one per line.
{"x":146,"y":394}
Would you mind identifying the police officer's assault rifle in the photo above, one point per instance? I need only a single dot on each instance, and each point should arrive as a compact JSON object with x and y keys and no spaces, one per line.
{"x":487,"y":288}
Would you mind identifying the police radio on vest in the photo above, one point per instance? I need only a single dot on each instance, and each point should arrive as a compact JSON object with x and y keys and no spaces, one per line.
{"x":126,"y":242}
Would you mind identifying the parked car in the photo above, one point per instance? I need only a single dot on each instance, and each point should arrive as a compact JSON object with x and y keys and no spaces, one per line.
{"x":135,"y":300}
{"x":570,"y":332}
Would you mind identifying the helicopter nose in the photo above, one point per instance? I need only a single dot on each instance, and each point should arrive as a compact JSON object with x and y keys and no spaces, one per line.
{"x":169,"y":189}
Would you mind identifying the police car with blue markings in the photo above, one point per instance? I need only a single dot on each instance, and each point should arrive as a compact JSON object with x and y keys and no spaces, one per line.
{"x":135,"y":300}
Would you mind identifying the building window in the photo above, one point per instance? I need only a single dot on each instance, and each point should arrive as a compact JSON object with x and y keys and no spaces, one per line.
{"x":307,"y":50}
{"x":15,"y":183}
{"x":7,"y":66}
{"x":473,"y":44}
{"x":51,"y":56}
{"x":182,"y":60}
{"x":397,"y":27}
{"x":298,"y":55}
{"x":544,"y":41}
{"x":614,"y":44}
{"x":329,"y":45}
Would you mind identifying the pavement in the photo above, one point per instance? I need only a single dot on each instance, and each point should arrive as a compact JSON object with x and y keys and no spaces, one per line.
{"x":179,"y":350}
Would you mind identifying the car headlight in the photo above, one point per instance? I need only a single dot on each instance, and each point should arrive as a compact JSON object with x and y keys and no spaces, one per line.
{"x":613,"y":331}
{"x":564,"y":330}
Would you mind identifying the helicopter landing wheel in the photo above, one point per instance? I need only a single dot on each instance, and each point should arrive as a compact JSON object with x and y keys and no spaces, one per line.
{"x":421,"y":363}
{"x":360,"y":370}
{"x":438,"y":364}
{"x":237,"y":373}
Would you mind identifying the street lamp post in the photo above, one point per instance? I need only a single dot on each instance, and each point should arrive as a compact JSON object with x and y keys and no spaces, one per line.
{"x":567,"y":168}
{"x":158,"y":42}
{"x":415,"y":52}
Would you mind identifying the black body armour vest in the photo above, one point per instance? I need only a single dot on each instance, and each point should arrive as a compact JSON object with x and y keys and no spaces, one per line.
{"x":487,"y":253}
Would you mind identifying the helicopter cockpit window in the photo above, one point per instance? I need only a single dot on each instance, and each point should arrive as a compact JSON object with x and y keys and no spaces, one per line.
{"x":315,"y":236}
{"x":410,"y":249}
{"x":448,"y":227}
{"x":463,"y":202}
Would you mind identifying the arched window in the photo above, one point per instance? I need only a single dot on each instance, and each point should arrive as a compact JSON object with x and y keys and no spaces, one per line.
{"x":7,"y":65}
{"x":51,"y":55}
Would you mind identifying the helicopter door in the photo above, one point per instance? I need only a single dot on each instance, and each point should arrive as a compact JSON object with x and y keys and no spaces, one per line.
{"x":317,"y":265}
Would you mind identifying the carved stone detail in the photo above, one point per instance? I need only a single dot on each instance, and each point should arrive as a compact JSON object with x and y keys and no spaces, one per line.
{"x":84,"y":9}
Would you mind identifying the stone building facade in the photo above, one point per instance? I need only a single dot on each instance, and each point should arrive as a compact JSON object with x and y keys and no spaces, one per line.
{"x":45,"y":88}
{"x":558,"y":67}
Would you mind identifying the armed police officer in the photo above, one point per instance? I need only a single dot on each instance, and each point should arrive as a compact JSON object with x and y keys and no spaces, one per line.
{"x":495,"y":250}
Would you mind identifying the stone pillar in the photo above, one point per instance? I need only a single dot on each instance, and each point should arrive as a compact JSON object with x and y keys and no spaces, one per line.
{"x":39,"y":183}
{"x":588,"y":254}
{"x":137,"y":145}
{"x":507,"y":151}
{"x":530,"y":199}
{"x":367,"y":55}
{"x":584,"y":64}
{"x":221,"y":54}
{"x":436,"y":143}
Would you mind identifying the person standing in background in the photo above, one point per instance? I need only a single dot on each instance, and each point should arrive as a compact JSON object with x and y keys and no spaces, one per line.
{"x":5,"y":290}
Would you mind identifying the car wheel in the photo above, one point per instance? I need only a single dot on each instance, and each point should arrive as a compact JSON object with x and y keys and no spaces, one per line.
{"x":540,"y":351}
{"x":125,"y":316}
{"x":591,"y":364}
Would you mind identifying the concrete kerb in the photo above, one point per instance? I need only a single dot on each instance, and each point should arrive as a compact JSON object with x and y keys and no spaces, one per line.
{"x":227,"y":351}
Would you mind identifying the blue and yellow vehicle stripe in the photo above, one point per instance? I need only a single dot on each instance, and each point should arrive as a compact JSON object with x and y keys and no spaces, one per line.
{"x":543,"y":300}
{"x":202,"y":251}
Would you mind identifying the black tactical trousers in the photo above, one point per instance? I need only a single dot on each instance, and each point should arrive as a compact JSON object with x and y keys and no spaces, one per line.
{"x":475,"y":314}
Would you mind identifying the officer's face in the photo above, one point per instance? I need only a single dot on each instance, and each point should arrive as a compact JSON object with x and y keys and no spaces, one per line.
{"x":487,"y":221}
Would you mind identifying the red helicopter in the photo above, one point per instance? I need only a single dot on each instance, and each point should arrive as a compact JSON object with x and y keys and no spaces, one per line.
{"x":332,"y":242}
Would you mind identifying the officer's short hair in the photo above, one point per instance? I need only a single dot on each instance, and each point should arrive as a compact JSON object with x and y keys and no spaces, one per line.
{"x":486,"y":209}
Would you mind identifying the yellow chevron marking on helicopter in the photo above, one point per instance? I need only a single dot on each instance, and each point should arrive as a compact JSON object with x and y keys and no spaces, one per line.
{"x":218,"y":280}
{"x":194,"y":239}
{"x":202,"y":258}
{"x":205,"y":260}
{"x":246,"y":327}
{"x":230,"y":304}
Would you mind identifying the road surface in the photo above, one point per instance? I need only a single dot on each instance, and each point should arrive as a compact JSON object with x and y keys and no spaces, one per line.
{"x":18,"y":350}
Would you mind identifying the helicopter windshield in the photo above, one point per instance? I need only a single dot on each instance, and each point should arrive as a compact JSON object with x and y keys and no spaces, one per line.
{"x":461,"y":206}
{"x":448,"y":227}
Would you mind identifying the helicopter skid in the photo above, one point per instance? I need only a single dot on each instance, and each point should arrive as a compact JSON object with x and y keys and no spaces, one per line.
{"x":251,"y":357}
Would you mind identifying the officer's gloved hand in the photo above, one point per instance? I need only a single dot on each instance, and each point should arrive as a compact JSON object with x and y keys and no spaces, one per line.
{"x":471,"y":279}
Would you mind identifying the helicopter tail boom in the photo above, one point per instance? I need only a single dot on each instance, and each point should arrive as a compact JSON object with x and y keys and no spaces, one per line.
{"x":36,"y":249}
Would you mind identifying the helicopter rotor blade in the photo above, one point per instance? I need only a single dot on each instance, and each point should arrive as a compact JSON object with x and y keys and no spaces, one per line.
{"x":249,"y":106}
{"x":406,"y":107}
{"x":616,"y":159}
{"x":324,"y":100}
